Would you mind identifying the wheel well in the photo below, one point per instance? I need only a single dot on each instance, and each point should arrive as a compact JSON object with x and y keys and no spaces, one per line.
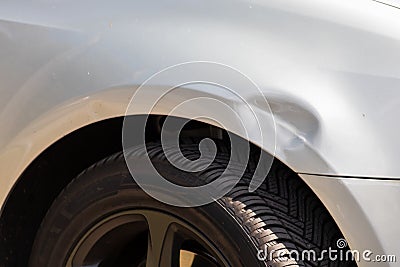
{"x":53,"y":169}
{"x":44,"y":179}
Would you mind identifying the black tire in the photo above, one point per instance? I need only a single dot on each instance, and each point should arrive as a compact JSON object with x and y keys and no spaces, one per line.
{"x":282,"y":215}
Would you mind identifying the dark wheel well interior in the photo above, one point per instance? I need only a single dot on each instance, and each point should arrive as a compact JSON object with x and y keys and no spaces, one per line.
{"x":53,"y":169}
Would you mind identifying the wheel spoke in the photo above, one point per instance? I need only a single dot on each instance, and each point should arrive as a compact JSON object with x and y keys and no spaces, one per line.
{"x":170,"y":242}
{"x":164,"y":241}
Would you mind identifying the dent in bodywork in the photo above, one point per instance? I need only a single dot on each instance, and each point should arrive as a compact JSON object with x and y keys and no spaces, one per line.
{"x":298,"y":129}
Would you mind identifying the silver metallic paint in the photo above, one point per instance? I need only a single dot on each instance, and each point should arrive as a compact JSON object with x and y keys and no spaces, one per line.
{"x":330,"y":70}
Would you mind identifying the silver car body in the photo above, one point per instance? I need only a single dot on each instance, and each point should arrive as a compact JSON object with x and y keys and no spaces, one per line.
{"x":329,"y":69}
